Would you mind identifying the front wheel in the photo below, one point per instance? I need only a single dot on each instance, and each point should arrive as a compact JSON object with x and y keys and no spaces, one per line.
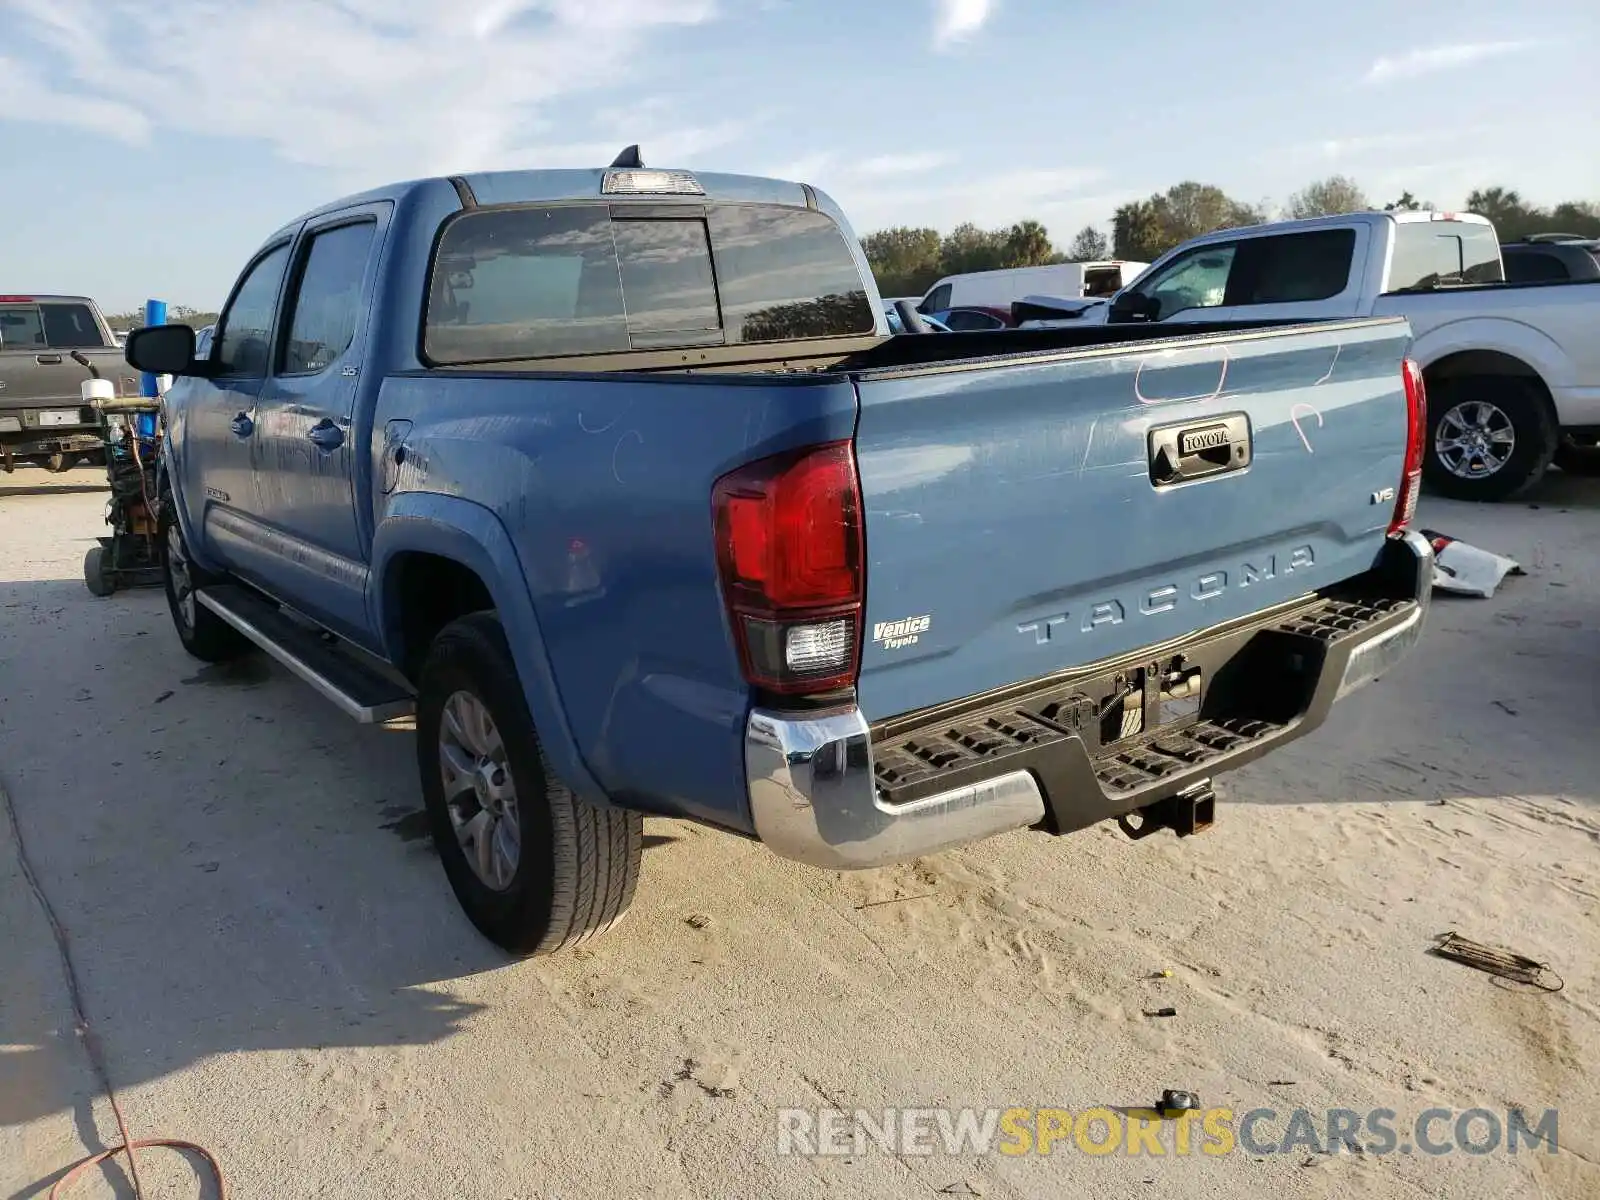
{"x":203,"y":634}
{"x":536,"y":868}
{"x":97,"y":572}
{"x":1489,"y":437}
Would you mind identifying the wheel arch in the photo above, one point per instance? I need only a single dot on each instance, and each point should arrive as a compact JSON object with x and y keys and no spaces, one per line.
{"x":1492,"y":346}
{"x":1481,"y":363}
{"x":170,"y":480}
{"x":431,"y":540}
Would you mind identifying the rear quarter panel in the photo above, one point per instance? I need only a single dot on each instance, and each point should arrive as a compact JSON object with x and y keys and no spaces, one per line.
{"x":1550,"y":327}
{"x":604,"y":487}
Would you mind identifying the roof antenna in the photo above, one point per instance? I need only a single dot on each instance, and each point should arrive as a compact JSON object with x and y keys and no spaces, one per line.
{"x":629,"y":158}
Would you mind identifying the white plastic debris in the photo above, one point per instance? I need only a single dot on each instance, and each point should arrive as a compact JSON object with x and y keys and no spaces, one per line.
{"x":1467,"y":570}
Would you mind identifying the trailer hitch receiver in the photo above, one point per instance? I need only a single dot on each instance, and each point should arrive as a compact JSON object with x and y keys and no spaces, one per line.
{"x":1191,"y":811}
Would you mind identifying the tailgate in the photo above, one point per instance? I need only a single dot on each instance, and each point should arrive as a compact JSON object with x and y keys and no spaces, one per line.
{"x":1015,"y":525}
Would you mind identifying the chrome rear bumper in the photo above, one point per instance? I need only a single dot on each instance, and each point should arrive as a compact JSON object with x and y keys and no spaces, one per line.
{"x":814,"y":796}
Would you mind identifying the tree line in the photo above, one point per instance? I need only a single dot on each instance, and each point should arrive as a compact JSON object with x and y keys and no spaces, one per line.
{"x":907,"y":261}
{"x":177,"y":314}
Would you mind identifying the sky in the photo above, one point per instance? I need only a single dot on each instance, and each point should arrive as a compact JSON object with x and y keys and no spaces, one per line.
{"x":148,"y":146}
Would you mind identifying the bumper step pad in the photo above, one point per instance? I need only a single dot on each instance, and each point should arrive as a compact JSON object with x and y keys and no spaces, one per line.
{"x":976,"y":744}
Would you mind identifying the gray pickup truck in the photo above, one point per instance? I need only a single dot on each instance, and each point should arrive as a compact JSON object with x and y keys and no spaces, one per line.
{"x":49,"y":345}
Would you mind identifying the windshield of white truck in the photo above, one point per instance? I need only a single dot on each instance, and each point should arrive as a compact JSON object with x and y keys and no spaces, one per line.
{"x":1430,"y":254}
{"x":524,"y":282}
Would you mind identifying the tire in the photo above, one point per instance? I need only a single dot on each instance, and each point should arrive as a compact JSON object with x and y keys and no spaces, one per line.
{"x":95,"y":574}
{"x":1492,"y":405}
{"x":59,"y":462}
{"x":576,"y":865}
{"x":1578,"y":458}
{"x":203,"y":634}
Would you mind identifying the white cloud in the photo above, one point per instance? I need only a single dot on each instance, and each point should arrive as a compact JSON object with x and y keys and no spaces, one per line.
{"x":901,"y":164}
{"x":1440,"y":58}
{"x":365,"y":87}
{"x":957,"y":20}
{"x":25,"y":96}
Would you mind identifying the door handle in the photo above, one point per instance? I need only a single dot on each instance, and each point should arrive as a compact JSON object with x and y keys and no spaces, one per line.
{"x":326,"y":434}
{"x":242,"y":426}
{"x":1199,"y":449}
{"x":47,"y":360}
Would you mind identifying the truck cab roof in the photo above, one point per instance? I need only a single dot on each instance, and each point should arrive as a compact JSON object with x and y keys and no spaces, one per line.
{"x":567,"y":184}
{"x":1369,"y":217}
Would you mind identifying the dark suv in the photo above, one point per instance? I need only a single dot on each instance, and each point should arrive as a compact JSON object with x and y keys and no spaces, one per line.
{"x":1551,"y":258}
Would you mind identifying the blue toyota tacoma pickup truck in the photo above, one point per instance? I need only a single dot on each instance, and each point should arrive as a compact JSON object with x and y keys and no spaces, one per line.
{"x":616,"y":482}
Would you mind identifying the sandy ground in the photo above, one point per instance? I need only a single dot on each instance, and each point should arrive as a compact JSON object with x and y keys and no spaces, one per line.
{"x":278,"y":969}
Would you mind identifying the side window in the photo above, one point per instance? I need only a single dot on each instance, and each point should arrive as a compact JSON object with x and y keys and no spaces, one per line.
{"x":1535,"y":266}
{"x":1199,"y":279}
{"x":21,"y":328}
{"x":1101,"y":281}
{"x":968,"y":320}
{"x":1293,"y":268}
{"x":938,"y":300}
{"x":245,"y":330}
{"x":327,"y":303}
{"x":70,"y":327}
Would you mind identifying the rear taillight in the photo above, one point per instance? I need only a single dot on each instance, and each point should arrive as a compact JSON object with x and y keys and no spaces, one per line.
{"x":789,"y":550}
{"x":1405,"y":505}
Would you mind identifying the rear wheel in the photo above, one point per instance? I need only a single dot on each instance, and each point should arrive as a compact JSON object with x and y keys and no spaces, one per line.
{"x":536,"y":868}
{"x":1489,"y":437}
{"x":203,"y":634}
{"x":60,"y":462}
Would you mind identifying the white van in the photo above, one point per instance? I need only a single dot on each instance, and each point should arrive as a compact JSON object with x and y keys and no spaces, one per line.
{"x":999,"y":289}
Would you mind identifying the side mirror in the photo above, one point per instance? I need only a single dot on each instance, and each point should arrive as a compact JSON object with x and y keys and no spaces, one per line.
{"x":1133,"y":306}
{"x":163,"y":350}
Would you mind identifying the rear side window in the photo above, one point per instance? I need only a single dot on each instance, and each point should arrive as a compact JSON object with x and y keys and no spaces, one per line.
{"x":1292,"y":268}
{"x":521,"y":283}
{"x":21,"y":328}
{"x":70,"y":327}
{"x":1431,"y":254}
{"x":1535,"y":266}
{"x":328,"y":299}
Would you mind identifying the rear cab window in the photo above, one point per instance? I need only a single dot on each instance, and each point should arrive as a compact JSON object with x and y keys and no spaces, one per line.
{"x":1439,"y":253}
{"x":555,"y":281}
{"x":50,"y":325}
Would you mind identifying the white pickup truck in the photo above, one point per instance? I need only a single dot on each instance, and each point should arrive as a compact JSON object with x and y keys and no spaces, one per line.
{"x":1512,"y":369}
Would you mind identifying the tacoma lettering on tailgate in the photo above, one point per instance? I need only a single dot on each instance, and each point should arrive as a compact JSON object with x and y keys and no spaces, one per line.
{"x":1169,"y":596}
